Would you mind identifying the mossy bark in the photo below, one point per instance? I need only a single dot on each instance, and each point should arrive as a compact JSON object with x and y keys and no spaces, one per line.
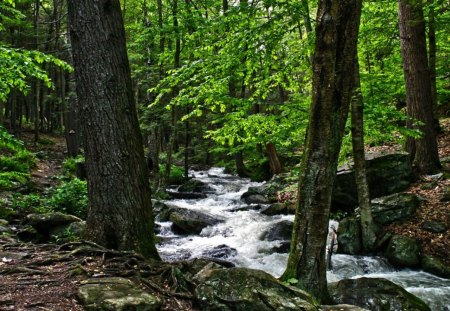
{"x":333,"y":67}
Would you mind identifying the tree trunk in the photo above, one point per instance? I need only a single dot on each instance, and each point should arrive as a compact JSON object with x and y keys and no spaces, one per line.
{"x":335,"y":50}
{"x":432,"y":63}
{"x":418,"y":86}
{"x":274,"y":161}
{"x":120,"y":212}
{"x":362,"y":186}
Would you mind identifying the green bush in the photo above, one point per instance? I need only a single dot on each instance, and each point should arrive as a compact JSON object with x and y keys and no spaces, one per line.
{"x":13,"y":180}
{"x":71,"y":198}
{"x":14,"y":158}
{"x":30,"y":203}
{"x":70,"y":165}
{"x":176,"y":174}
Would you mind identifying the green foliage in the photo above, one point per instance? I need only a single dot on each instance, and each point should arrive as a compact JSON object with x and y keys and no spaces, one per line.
{"x":70,"y":165}
{"x":176,"y":174}
{"x":70,"y":197}
{"x":13,"y":180}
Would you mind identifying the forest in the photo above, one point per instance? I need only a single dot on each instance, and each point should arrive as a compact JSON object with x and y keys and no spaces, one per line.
{"x":224,"y":155}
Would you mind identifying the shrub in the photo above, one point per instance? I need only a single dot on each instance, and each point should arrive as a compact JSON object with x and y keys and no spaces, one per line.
{"x":13,"y":180}
{"x":70,"y":166}
{"x":71,"y":198}
{"x":176,"y":174}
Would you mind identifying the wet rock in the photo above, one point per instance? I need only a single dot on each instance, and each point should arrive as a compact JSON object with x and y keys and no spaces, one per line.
{"x":435,"y":266}
{"x":193,"y":185}
{"x":435,"y":226}
{"x":250,"y":290}
{"x":281,"y":230}
{"x":375,"y":294}
{"x":349,"y":236}
{"x":283,"y":248}
{"x":44,"y":223}
{"x":115,"y":294}
{"x":268,"y":190}
{"x":186,"y":195}
{"x":403,"y":251}
{"x":274,"y":209}
{"x":190,"y":221}
{"x":386,"y":174}
{"x":220,"y":251}
{"x":395,"y":207}
{"x":254,"y":198}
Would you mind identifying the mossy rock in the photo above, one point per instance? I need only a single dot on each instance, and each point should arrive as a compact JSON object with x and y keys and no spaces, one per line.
{"x":375,"y":294}
{"x":349,"y":236}
{"x":403,"y":251}
{"x":241,"y":289}
{"x":395,"y":207}
{"x":435,"y":266}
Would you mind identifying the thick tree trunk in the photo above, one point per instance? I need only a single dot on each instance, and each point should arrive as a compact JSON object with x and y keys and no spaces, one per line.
{"x":418,"y":86}
{"x":274,"y":161}
{"x":120,"y":211}
{"x":335,"y":50}
{"x":362,"y":186}
{"x":432,"y":63}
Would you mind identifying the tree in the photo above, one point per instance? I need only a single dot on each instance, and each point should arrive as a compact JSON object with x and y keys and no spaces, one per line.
{"x":423,"y":149}
{"x":333,"y":67}
{"x":120,"y":211}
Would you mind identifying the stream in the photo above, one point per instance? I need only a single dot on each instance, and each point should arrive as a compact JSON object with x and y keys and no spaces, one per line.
{"x":240,"y":240}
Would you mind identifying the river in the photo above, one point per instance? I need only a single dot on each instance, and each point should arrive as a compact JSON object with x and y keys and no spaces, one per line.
{"x":240,"y":240}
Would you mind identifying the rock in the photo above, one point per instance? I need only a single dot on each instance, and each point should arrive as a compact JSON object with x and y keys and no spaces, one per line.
{"x":7,"y":213}
{"x":435,"y":266}
{"x":395,"y":207}
{"x":349,"y":236}
{"x":66,"y":233}
{"x":268,"y":190}
{"x":342,"y":307}
{"x":192,"y":185}
{"x":4,"y":222}
{"x":220,"y":251}
{"x":274,"y":209}
{"x":386,"y":174}
{"x":281,"y":230}
{"x":283,"y":248}
{"x":44,"y":223}
{"x":186,"y":195}
{"x":375,"y":294}
{"x":254,"y":198}
{"x":403,"y":251}
{"x":115,"y":294}
{"x":435,"y":226}
{"x":190,"y":221}
{"x":4,"y":229}
{"x":250,"y":290}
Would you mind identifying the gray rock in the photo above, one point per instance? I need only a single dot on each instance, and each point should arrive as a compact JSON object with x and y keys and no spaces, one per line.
{"x":435,"y":266}
{"x":274,"y":209}
{"x":115,"y":294}
{"x":70,"y":232}
{"x":281,"y":230}
{"x":249,"y":290}
{"x":403,"y":251}
{"x":190,"y":221}
{"x":186,"y":195}
{"x":255,"y":199}
{"x":375,"y":294}
{"x":193,"y":185}
{"x":4,"y":222}
{"x":395,"y":207}
{"x":342,"y":307}
{"x":220,"y":251}
{"x":44,"y":223}
{"x":386,"y":174}
{"x":268,"y":190}
{"x":435,"y":226}
{"x":349,"y":236}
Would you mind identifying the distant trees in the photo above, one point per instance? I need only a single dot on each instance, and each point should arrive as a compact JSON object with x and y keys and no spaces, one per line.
{"x":419,"y":99}
{"x":120,"y":211}
{"x":333,"y":70}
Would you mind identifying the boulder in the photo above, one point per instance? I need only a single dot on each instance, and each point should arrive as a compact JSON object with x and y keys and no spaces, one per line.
{"x":403,"y":251}
{"x":395,"y":207}
{"x":281,"y":230}
{"x":268,"y":190}
{"x":275,"y":209}
{"x":193,"y":185}
{"x":69,"y":232}
{"x":386,"y":174}
{"x":190,"y":221}
{"x":342,"y":307}
{"x":254,"y":198}
{"x":249,"y":290}
{"x":115,"y":293}
{"x":435,"y":266}
{"x":435,"y":226}
{"x":375,"y":294}
{"x":186,"y":195}
{"x":349,"y":236}
{"x":44,"y":223}
{"x":220,"y":251}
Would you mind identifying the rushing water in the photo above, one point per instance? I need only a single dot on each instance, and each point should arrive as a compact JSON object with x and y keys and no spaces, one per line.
{"x":240,"y":240}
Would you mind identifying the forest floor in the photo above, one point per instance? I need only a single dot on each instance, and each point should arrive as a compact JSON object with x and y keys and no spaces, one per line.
{"x":47,"y":276}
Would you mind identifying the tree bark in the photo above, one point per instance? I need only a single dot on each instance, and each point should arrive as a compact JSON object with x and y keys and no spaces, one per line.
{"x":362,"y":186}
{"x":424,"y":151}
{"x":274,"y":161}
{"x":120,"y":212}
{"x":335,"y":50}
